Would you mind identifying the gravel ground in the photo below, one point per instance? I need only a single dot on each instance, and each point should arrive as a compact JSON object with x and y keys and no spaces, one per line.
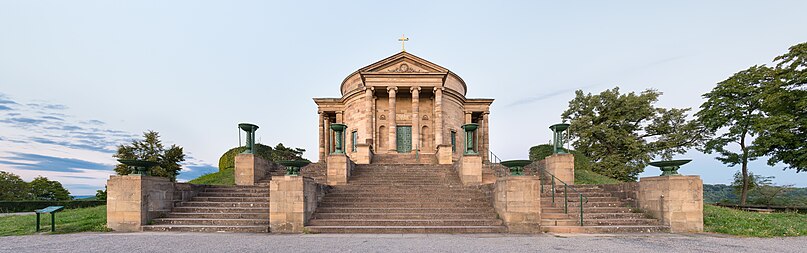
{"x":199,"y":242}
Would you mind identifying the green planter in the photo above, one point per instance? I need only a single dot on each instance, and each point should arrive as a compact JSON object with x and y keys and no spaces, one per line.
{"x":557,"y":136}
{"x":250,"y":129}
{"x":670,"y":168}
{"x":141,"y":166}
{"x":293,"y":166}
{"x":516,"y":166}
{"x":338,"y":130}
{"x":470,"y":142}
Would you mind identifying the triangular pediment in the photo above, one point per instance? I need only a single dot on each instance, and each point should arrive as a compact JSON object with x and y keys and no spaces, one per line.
{"x":403,"y":62}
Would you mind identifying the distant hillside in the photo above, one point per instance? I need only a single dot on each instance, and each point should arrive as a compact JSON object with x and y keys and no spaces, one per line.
{"x":714,"y":193}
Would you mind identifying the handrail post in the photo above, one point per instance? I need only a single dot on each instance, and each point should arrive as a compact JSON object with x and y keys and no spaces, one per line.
{"x":581,"y":209}
{"x":565,"y":199}
{"x":553,"y":193}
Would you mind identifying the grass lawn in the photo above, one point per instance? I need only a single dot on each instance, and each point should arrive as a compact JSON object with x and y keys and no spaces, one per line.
{"x":223,"y":177}
{"x":736,"y":222}
{"x":91,"y":219}
{"x":590,"y":177}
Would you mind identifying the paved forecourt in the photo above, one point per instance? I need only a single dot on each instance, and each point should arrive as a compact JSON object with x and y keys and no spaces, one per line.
{"x":235,"y":242}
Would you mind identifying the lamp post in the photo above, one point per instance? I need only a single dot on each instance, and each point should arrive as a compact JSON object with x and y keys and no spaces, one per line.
{"x":250,"y":129}
{"x":470,"y":143}
{"x":557,"y":136}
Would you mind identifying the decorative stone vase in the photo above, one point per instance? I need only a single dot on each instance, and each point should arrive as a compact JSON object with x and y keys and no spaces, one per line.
{"x":250,"y":129}
{"x":516,"y":166}
{"x":470,"y":142}
{"x":338,"y":130}
{"x":141,"y":166}
{"x":557,"y":136}
{"x":293,"y":166}
{"x":670,"y":168}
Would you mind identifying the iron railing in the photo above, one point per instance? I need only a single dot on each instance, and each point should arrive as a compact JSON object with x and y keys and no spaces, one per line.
{"x":546,"y":175}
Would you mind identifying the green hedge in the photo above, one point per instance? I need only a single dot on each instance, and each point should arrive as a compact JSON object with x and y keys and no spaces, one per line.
{"x":542,"y":151}
{"x":31,"y":205}
{"x":227,"y":160}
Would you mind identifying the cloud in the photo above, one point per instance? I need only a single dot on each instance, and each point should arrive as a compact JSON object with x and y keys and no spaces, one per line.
{"x":51,"y":163}
{"x":52,"y":118}
{"x":48,"y":106}
{"x":4,"y":108}
{"x":26,"y":121}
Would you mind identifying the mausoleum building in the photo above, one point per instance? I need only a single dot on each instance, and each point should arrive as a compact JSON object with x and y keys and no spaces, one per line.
{"x":403,"y":107}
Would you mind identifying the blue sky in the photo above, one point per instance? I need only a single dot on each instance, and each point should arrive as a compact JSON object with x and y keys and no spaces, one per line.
{"x":79,"y":77}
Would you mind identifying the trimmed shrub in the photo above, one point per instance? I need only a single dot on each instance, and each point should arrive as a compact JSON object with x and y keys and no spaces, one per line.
{"x":540,"y":152}
{"x":227,"y":160}
{"x":31,"y":205}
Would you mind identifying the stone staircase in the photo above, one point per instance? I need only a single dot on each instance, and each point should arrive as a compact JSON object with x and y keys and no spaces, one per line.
{"x":403,"y":159}
{"x":603,"y":213}
{"x":220,"y":209}
{"x":405,"y":198}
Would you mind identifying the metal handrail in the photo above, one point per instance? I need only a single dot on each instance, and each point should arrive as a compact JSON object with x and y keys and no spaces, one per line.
{"x":565,"y":194}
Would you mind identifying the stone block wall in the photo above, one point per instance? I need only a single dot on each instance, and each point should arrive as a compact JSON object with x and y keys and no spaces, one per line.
{"x":675,"y":200}
{"x":294,"y":200}
{"x":444,"y":155}
{"x":250,"y":168}
{"x":339,"y":168}
{"x":517,"y":200}
{"x":562,"y":166}
{"x":132,"y":201}
{"x":470,"y":170}
{"x":363,"y":154}
{"x":627,"y":192}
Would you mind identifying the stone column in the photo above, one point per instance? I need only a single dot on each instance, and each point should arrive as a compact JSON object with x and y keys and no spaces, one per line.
{"x":415,"y":117}
{"x":322,"y":132}
{"x":327,"y":135}
{"x":438,"y":116}
{"x":375,"y":124}
{"x":393,"y":127}
{"x":485,"y":137}
{"x":675,"y":200}
{"x":369,"y":130}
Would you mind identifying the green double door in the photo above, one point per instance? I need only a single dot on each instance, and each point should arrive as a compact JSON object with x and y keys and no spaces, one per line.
{"x":404,"y":139}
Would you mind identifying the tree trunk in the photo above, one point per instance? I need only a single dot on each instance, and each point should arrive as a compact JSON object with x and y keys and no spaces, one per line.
{"x":744,"y":193}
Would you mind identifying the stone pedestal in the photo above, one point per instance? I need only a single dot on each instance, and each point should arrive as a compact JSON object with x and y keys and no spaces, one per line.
{"x":249,"y":168}
{"x":293,"y":202}
{"x":471,"y":170}
{"x":338,"y":170}
{"x":132,"y":201}
{"x":562,"y":166}
{"x":444,"y":154}
{"x":363,"y":154}
{"x":517,"y":200}
{"x":675,"y":200}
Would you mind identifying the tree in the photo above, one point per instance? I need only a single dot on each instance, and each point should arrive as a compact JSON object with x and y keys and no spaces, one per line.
{"x":621,"y":133}
{"x":100,"y":194}
{"x":12,"y":187}
{"x":283,"y":153}
{"x":734,"y":108}
{"x":152,"y":149}
{"x":783,"y":133}
{"x":44,"y":189}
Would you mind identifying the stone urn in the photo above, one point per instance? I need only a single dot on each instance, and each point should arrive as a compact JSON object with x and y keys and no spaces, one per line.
{"x":141,"y":166}
{"x":338,"y":130}
{"x":293,"y":166}
{"x":670,"y":167}
{"x":516,"y":166}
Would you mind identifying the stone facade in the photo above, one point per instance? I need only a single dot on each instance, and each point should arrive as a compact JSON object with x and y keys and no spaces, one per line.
{"x":562,"y":166}
{"x":675,"y":200}
{"x":293,"y":202}
{"x":517,"y":200}
{"x":403,"y":90}
{"x":250,"y":168}
{"x":132,"y":201}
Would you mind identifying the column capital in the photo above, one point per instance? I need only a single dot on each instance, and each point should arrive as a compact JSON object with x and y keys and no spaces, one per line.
{"x":392,"y":88}
{"x":439,"y":89}
{"x":414,"y":89}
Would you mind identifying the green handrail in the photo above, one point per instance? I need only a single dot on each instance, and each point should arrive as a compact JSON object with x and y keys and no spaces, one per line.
{"x":565,"y":194}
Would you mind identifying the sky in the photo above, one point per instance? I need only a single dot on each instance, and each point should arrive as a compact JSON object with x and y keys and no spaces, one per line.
{"x":78,"y":78}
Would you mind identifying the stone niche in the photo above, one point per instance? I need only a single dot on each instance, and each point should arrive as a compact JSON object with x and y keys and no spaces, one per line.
{"x":675,"y":200}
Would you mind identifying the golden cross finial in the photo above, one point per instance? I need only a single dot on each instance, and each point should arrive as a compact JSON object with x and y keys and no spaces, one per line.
{"x":403,"y":40}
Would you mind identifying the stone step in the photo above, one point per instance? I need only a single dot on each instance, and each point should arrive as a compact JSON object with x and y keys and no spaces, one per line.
{"x":205,"y":228}
{"x":405,"y":222}
{"x":599,"y":222}
{"x":211,"y":222}
{"x":604,"y":229}
{"x":407,"y":229}
{"x":421,"y":188}
{"x":486,"y":209}
{"x":190,"y":209}
{"x":463,"y":194}
{"x":405,"y":204}
{"x":412,"y":216}
{"x":231,"y":199}
{"x":234,"y":190}
{"x":587,"y":210}
{"x":585,"y":205}
{"x":224,"y":204}
{"x":232,"y":194}
{"x":559,"y":195}
{"x":264,"y":215}
{"x":575,"y":200}
{"x":562,"y":215}
{"x":386,"y":199}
